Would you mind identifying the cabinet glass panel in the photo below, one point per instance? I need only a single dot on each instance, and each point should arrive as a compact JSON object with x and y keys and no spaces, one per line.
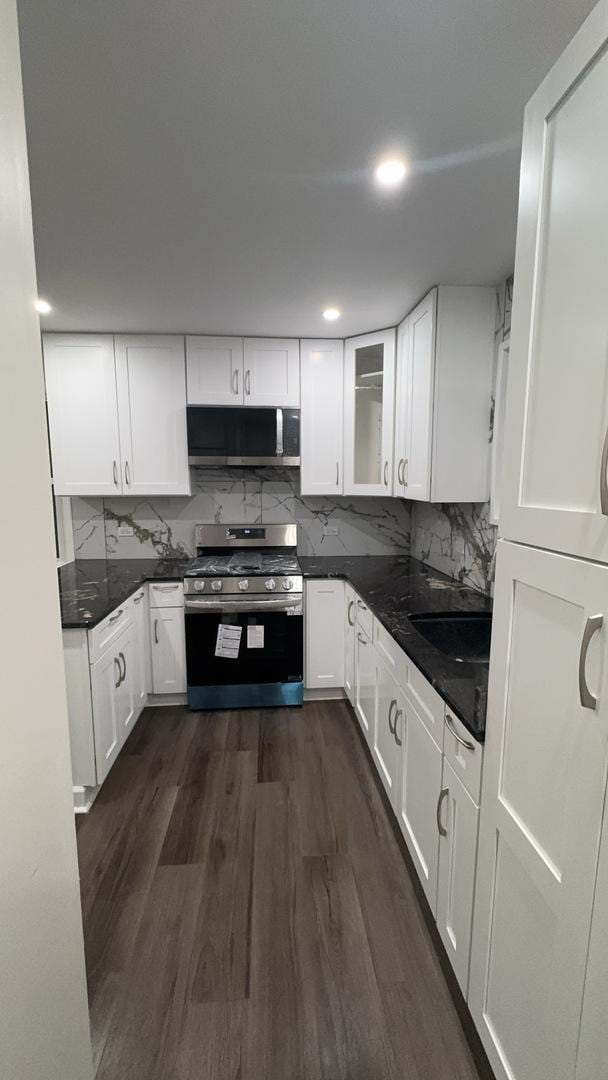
{"x":369,"y":392}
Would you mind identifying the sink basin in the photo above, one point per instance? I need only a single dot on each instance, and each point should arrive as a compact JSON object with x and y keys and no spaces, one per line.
{"x":464,"y":636}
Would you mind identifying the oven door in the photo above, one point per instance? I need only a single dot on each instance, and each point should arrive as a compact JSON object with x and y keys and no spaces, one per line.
{"x":267,"y":668}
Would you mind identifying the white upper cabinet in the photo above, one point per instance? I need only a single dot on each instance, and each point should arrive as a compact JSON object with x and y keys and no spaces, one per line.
{"x":322,"y":367}
{"x":544,"y":783}
{"x":83,"y":413}
{"x":215,"y":370}
{"x":369,"y":394}
{"x":151,"y":382}
{"x":555,"y":493}
{"x":272,"y":372}
{"x":443,"y":397}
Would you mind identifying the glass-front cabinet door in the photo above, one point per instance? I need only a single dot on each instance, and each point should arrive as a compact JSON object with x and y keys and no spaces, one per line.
{"x":369,"y":391}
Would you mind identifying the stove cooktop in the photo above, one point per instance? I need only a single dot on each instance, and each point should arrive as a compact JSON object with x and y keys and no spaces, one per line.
{"x":248,"y":563}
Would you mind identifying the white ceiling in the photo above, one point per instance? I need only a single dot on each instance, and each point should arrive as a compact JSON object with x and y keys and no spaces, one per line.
{"x":204,"y":165}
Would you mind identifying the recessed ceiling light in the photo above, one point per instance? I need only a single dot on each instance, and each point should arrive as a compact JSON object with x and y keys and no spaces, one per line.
{"x":331,"y":314}
{"x":391,"y":172}
{"x":42,"y":306}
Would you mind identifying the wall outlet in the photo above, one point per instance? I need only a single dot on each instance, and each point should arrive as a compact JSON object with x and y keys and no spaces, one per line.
{"x":125,"y":530}
{"x":330,"y":530}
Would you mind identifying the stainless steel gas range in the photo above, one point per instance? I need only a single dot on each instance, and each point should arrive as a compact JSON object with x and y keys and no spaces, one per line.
{"x":244,"y":621}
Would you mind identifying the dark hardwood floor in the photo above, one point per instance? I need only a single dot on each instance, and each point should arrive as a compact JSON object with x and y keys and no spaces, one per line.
{"x":249,"y":914}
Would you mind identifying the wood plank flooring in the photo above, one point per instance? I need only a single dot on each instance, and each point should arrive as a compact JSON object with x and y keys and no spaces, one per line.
{"x":248,"y":912}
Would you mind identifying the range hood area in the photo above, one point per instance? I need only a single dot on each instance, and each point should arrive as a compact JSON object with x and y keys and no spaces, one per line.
{"x":243,"y":436}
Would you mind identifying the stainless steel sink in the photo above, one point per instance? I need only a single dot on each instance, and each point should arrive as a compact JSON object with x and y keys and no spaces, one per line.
{"x":464,"y":636}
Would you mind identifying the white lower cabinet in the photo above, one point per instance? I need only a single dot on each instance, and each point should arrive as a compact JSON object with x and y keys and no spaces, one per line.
{"x":419,"y":799}
{"x":387,"y":742}
{"x":168,"y":645}
{"x":365,"y":683}
{"x":458,"y":821}
{"x":113,"y":700}
{"x":324,"y":639}
{"x":349,"y":643}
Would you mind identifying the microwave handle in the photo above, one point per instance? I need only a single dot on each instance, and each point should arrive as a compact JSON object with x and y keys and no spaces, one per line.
{"x":279,"y":433}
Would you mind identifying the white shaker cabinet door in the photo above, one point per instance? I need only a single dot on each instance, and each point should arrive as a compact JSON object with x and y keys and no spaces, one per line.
{"x":214,"y":367}
{"x":369,"y":403}
{"x":402,"y":397}
{"x":349,"y":643}
{"x":83,"y":414}
{"x":365,"y":684}
{"x":387,"y":743}
{"x":543,"y":792}
{"x":168,"y":644}
{"x":419,"y":798}
{"x":555,"y":493}
{"x":272,"y":372}
{"x":151,"y":380}
{"x":419,"y":399}
{"x":105,"y":680}
{"x":322,"y":372}
{"x":458,"y":821}
{"x":324,"y":619}
{"x":141,"y":658}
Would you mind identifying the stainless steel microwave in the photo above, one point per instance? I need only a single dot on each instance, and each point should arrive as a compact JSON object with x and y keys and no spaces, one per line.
{"x":243,"y":436}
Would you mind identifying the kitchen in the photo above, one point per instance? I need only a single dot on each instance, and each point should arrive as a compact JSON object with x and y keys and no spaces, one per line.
{"x":331,"y":598}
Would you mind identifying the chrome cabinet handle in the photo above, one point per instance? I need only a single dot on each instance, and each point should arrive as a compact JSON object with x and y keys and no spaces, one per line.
{"x":443,"y":794}
{"x":400,"y":471}
{"x":362,"y":639}
{"x":248,"y":382}
{"x":604,"y":476}
{"x":351,"y":604}
{"x":337,"y":473}
{"x":397,"y":715}
{"x":115,"y":473}
{"x":127,"y":474}
{"x":386,"y":473}
{"x":235,"y":381}
{"x":393,"y":705}
{"x":594,"y":623}
{"x":117,"y":664}
{"x":113,"y":618}
{"x":165,"y":588}
{"x":463,"y":742}
{"x":121,"y":656}
{"x":156,"y":631}
{"x":405,"y":472}
{"x":361,"y":605}
{"x":136,"y":599}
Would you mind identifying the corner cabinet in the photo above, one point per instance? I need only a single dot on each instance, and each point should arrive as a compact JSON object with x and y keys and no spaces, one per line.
{"x":321,"y":427}
{"x":443,"y":397}
{"x":117,"y":414}
{"x":369,"y":393}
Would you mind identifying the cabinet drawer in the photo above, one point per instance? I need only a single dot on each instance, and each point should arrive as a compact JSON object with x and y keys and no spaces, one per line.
{"x":393,"y":656}
{"x":464,"y":754}
{"x":166,"y":594}
{"x":429,"y":704}
{"x":364,"y":617}
{"x":103,"y":636}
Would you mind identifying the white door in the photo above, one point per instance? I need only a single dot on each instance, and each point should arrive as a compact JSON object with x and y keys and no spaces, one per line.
{"x":106,"y":675}
{"x":324,"y":618}
{"x":126,"y":710}
{"x":272,"y":372}
{"x":214,"y":368}
{"x":556,"y":452}
{"x":400,"y":446}
{"x":458,"y":821}
{"x":365,"y":684}
{"x":369,"y":394}
{"x":420,"y":389}
{"x":139,"y":671}
{"x":83,"y":414}
{"x":168,"y":645}
{"x":349,"y":643}
{"x":543,"y":792}
{"x":420,"y":798}
{"x":387,"y":742}
{"x":151,"y":380}
{"x":322,"y":394}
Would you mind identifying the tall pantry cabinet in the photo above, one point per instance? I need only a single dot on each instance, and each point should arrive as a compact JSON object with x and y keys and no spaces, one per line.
{"x":539,"y":978}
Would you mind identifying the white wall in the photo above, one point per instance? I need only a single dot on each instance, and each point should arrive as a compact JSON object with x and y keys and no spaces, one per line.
{"x":43,"y":1012}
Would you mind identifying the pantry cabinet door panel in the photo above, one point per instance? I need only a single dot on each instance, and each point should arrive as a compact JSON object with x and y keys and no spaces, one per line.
{"x":322,"y":371}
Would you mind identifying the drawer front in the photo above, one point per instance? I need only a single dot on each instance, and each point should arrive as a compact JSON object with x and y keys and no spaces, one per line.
{"x":394,"y":657}
{"x":103,"y":636}
{"x":464,"y":754}
{"x":166,"y":594}
{"x":430,"y":706}
{"x":364,"y":617}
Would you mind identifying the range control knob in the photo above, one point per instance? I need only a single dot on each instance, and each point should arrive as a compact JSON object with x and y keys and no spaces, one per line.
{"x":287,"y":584}
{"x":243,"y":585}
{"x":270,"y":584}
{"x":199,"y":586}
{"x":216,"y":586}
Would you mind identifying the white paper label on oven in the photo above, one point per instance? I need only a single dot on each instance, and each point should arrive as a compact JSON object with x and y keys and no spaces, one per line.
{"x":228,"y":641}
{"x":255,"y":636}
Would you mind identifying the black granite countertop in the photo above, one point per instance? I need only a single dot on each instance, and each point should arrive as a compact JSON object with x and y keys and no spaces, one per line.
{"x":396,"y":587}
{"x":89,"y":589}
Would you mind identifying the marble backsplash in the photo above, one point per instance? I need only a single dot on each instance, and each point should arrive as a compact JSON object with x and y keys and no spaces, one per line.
{"x":163,"y":526}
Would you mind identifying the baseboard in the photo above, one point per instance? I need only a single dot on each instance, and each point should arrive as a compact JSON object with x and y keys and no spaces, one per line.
{"x":156,"y":700}
{"x":332,"y":693}
{"x":84,"y":797}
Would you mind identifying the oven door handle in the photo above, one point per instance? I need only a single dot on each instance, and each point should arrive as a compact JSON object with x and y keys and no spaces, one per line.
{"x":244,"y":607}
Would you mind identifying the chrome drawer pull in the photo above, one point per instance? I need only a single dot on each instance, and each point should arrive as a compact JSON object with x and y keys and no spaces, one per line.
{"x":443,"y":794}
{"x":136,"y":599}
{"x":463,"y":742}
{"x":117,"y":664}
{"x":362,"y":639}
{"x":156,"y":631}
{"x":351,"y":604}
{"x":397,"y":739}
{"x":165,"y":588}
{"x":113,"y":618}
{"x":393,"y":705}
{"x":594,"y":623}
